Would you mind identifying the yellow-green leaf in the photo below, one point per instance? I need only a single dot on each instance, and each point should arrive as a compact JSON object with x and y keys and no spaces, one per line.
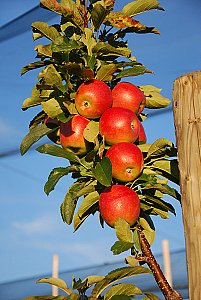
{"x":139,"y":6}
{"x":57,"y":282}
{"x":123,"y":231}
{"x":122,"y":289}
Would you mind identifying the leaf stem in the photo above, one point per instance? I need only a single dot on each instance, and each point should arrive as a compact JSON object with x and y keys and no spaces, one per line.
{"x":168,"y":292}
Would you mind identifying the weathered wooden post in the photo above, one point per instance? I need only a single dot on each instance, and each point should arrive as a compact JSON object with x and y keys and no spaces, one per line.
{"x":187,"y":118}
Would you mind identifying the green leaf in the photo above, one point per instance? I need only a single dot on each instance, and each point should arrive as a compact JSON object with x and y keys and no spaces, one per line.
{"x":139,"y":6}
{"x":54,"y":109}
{"x":151,"y":296}
{"x":154,"y":99}
{"x":37,"y":97}
{"x":34,"y":65}
{"x":120,"y":247}
{"x":136,"y":239}
{"x":68,"y":10}
{"x":88,"y":39}
{"x":116,"y":275}
{"x":167,"y":168}
{"x":43,"y":50}
{"x":158,"y":203}
{"x":88,"y":206}
{"x":159,"y":147}
{"x":57,"y":151}
{"x":123,"y":231}
{"x":98,"y":14}
{"x":121,"y":297}
{"x":69,"y":204}
{"x":103,"y":171}
{"x":62,"y":44}
{"x":93,"y":279}
{"x":57,"y":282}
{"x":106,"y":71}
{"x":51,"y":76}
{"x":89,"y":201}
{"x":103,"y":48}
{"x":91,"y":131}
{"x":165,"y":189}
{"x":48,"y":31}
{"x":54,"y":177}
{"x":122,"y":289}
{"x":45,"y":298}
{"x":134,"y":71}
{"x":131,"y":261}
{"x":33,"y":136}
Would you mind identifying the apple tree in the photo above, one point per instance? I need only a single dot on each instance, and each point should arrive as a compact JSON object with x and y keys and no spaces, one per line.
{"x":93,"y":119}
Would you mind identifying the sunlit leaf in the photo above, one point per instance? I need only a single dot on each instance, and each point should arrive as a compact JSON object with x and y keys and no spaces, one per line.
{"x":89,"y":201}
{"x":123,"y":231}
{"x":159,"y":147}
{"x":139,"y":6}
{"x":131,"y":261}
{"x":122,"y":289}
{"x":68,"y":10}
{"x":106,"y":49}
{"x":91,"y":131}
{"x":151,"y":296}
{"x":134,"y":71}
{"x":57,"y":282}
{"x":154,"y":99}
{"x":43,"y":28}
{"x":116,"y":275}
{"x":105,"y":73}
{"x":43,"y":50}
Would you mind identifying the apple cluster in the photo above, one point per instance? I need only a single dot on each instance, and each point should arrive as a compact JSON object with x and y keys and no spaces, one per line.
{"x":119,"y":126}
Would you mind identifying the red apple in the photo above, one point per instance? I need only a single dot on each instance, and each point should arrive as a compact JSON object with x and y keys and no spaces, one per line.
{"x":119,"y":201}
{"x":72,"y":135}
{"x":127,"y":161}
{"x":128,"y":95}
{"x":93,"y":98}
{"x":52,"y":123}
{"x":119,"y":125}
{"x":142,"y":139}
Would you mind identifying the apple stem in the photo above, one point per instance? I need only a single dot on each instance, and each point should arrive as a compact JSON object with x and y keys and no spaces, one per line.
{"x":166,"y":289}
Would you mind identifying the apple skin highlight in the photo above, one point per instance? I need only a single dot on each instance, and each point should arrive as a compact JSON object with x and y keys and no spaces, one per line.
{"x":127,"y":161}
{"x":119,"y":201}
{"x":93,"y":98}
{"x":119,"y":125}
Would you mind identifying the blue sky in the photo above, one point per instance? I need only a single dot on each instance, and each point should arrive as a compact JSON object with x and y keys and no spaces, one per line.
{"x":31,"y":228}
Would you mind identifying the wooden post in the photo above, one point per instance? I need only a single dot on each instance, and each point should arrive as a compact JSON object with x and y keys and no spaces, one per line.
{"x":55,"y":273}
{"x":167,"y":261}
{"x":187,"y":118}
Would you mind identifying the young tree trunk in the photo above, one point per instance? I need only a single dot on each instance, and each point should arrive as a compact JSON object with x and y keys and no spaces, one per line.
{"x":168,"y":292}
{"x":187,"y":118}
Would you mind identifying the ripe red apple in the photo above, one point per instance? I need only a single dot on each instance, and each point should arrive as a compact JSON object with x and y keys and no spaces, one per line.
{"x":119,"y":201}
{"x":93,"y":98}
{"x":142,"y":139}
{"x":52,"y":123}
{"x":127,"y":161}
{"x":72,"y":135}
{"x":119,"y":125}
{"x":128,"y":95}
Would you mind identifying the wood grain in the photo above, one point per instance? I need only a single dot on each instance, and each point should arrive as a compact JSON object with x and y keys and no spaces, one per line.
{"x":187,"y":118}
